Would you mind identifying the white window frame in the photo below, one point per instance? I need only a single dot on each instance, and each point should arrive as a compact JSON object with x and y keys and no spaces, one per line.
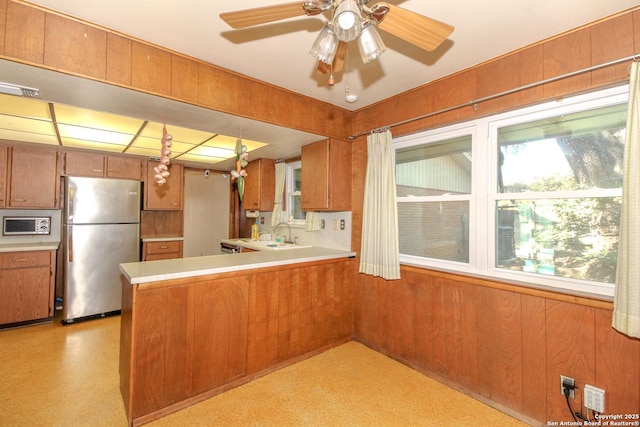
{"x":484,"y":195}
{"x":289,"y":193}
{"x":439,"y":135}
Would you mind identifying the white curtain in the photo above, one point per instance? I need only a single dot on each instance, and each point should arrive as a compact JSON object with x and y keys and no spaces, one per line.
{"x":380,"y":247}
{"x":626,"y":300}
{"x":312,"y":222}
{"x":276,"y":217}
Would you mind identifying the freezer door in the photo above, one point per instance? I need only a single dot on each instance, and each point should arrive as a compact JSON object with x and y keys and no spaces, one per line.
{"x":101,"y":201}
{"x":92,"y":258}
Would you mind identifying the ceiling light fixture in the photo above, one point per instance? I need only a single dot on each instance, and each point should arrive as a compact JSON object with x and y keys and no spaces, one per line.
{"x":326,"y":45}
{"x":11,"y":89}
{"x":347,"y":20}
{"x":351,"y":20}
{"x":370,"y":43}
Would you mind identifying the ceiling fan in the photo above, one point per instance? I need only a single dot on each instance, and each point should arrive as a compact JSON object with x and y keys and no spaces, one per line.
{"x":350,"y":20}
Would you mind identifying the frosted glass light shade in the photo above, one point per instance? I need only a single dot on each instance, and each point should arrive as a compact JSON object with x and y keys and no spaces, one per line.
{"x":347,"y":21}
{"x":325,"y":46}
{"x":370,"y":44}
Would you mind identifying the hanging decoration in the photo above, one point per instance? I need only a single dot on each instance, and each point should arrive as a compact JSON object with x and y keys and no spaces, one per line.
{"x":239,"y":173}
{"x":162,"y":169}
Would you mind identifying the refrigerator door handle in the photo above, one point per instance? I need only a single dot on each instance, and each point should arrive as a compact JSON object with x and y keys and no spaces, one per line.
{"x":70,"y":244}
{"x":70,"y":198}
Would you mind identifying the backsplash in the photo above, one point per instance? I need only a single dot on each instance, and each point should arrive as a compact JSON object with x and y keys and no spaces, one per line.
{"x":329,"y":237}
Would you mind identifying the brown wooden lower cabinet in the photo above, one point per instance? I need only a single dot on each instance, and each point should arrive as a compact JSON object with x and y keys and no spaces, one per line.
{"x":185,"y":340}
{"x":166,"y":249}
{"x":26,"y":286}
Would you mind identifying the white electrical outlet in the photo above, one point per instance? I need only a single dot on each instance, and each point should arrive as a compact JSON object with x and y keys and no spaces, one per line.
{"x":594,"y":398}
{"x":570,"y":381}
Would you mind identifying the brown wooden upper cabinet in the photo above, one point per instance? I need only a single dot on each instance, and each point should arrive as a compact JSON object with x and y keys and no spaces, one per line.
{"x":76,"y":47}
{"x":326,"y":176}
{"x":33,"y":178}
{"x":100,"y":166}
{"x":167,"y":196}
{"x":24,"y":32}
{"x":259,"y":185}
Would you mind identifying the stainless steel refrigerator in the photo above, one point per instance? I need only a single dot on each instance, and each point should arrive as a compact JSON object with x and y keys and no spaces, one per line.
{"x":101,"y":230}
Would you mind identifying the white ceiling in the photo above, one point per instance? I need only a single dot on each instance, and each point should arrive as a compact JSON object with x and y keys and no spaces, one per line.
{"x":278,"y":53}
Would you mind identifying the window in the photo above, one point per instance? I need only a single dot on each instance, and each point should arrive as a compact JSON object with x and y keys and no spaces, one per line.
{"x":559,"y":188}
{"x":293,"y":185}
{"x":532,"y":196}
{"x":433,"y":185}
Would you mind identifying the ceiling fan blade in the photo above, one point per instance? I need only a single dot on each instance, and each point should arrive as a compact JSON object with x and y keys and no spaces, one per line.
{"x":262,"y":15}
{"x":424,"y":32}
{"x":338,"y":60}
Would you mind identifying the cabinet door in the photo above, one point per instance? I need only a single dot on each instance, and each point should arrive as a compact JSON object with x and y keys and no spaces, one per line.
{"x":124,"y":168}
{"x":25,"y":294}
{"x":24,"y":32}
{"x":315,"y":176}
{"x":151,"y":69}
{"x":326,"y":175}
{"x":76,"y":47}
{"x":27,"y":167}
{"x":3,"y":176}
{"x":259,"y":185}
{"x":84,"y":164}
{"x":166,"y":196}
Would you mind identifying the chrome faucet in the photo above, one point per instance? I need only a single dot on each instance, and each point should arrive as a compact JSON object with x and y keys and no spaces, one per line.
{"x":275,"y":231}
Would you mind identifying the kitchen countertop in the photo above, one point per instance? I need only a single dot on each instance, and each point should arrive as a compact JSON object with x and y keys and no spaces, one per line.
{"x":23,"y":247}
{"x":153,"y":271}
{"x":161,"y":239}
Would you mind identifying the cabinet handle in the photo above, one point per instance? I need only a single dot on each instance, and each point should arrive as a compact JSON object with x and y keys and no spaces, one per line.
{"x":96,"y":170}
{"x":20,"y":260}
{"x":110,"y":171}
{"x":164,"y":247}
{"x":18,"y":200}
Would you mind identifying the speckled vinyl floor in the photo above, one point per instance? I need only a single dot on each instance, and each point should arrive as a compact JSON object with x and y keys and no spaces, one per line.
{"x":54,"y":375}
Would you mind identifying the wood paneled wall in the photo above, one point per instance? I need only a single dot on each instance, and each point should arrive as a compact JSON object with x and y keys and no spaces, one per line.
{"x":500,"y":344}
{"x":46,"y":39}
{"x":604,"y":41}
{"x":505,"y":345}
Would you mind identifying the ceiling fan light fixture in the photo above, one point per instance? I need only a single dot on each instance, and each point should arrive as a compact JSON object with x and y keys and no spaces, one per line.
{"x":370,"y":43}
{"x":326,"y":45}
{"x":347,"y":20}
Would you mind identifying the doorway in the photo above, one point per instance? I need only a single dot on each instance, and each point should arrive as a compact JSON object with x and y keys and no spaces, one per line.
{"x":206,"y":212}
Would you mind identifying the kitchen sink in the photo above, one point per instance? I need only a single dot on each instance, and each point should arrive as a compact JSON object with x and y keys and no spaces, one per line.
{"x":272,"y":244}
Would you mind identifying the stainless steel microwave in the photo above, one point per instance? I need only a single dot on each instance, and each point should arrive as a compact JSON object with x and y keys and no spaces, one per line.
{"x":20,"y":225}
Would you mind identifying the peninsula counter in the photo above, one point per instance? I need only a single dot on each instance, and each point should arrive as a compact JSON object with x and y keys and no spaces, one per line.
{"x":195,"y":327}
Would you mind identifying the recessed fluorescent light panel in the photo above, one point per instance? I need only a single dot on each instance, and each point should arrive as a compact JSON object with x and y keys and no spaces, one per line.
{"x":35,"y":120}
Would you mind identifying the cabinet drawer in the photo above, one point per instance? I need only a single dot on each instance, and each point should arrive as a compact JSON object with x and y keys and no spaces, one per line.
{"x":162,"y":247}
{"x":24,"y":259}
{"x":157,"y":257}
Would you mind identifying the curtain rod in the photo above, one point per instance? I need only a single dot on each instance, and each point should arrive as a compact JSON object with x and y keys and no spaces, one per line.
{"x":497,"y":95}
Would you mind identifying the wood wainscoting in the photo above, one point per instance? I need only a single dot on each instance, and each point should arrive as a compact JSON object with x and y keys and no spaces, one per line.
{"x":503,"y":344}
